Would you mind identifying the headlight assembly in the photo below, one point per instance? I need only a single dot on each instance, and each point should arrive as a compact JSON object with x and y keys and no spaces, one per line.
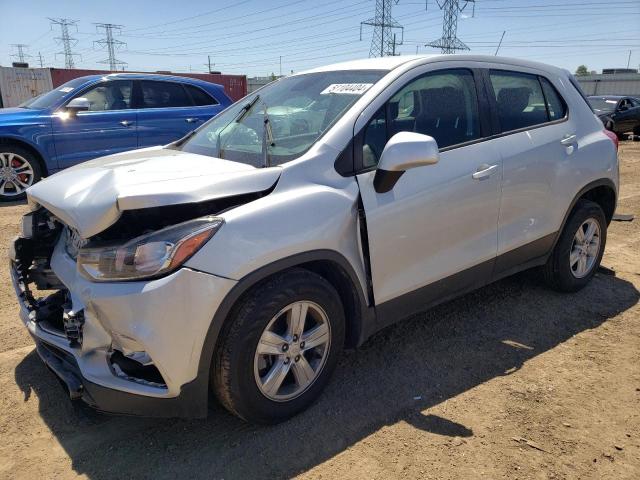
{"x":147,"y":256}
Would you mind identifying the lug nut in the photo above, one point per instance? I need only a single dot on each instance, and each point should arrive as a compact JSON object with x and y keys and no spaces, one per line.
{"x":301,"y":344}
{"x":287,"y":360}
{"x":295,"y":338}
{"x":297,"y":358}
{"x":285,"y":347}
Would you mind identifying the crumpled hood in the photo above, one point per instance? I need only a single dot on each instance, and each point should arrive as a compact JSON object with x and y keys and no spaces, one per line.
{"x":91,"y":196}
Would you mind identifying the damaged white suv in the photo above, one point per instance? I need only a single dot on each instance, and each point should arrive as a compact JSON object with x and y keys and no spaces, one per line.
{"x":243,"y":258}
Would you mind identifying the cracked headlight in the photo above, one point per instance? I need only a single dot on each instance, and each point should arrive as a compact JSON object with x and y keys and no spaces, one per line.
{"x":147,"y":256}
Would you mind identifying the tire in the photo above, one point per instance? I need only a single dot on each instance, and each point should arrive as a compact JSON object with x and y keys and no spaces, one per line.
{"x":20,"y":165}
{"x":636,"y":133}
{"x":621,"y":136}
{"x":238,"y":368}
{"x":558,"y":272}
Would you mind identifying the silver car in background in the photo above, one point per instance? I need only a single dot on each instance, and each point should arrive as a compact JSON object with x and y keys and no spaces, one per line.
{"x":304,"y":218}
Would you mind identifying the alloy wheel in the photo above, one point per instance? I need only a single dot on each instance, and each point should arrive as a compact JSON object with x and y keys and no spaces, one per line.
{"x":292,"y":351}
{"x":16,"y":174}
{"x":585,"y":248}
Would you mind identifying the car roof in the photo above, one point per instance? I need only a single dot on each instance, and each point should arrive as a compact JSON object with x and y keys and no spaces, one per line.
{"x":150,"y":76}
{"x":390,"y":63}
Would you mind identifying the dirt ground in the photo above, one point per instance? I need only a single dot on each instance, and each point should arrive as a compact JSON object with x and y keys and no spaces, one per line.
{"x":513,"y":381}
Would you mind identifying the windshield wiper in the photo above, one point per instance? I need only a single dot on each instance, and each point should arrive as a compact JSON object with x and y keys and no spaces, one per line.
{"x":267,"y":138}
{"x":241,"y":114}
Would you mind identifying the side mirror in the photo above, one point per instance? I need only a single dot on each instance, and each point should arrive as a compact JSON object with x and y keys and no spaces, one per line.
{"x":78,"y":104}
{"x":405,"y":150}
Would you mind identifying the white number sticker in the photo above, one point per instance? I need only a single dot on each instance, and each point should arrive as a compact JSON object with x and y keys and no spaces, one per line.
{"x":346,"y":89}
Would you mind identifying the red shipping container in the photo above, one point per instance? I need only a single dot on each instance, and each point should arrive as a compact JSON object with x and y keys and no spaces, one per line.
{"x":234,"y":85}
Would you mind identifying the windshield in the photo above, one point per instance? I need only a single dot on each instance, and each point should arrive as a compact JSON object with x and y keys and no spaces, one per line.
{"x":50,"y":98}
{"x":282,"y":120}
{"x":600,"y":104}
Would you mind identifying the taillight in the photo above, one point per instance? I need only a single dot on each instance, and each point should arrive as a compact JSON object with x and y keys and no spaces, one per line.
{"x":613,"y":137}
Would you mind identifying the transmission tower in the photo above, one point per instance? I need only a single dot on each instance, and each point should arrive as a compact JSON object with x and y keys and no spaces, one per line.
{"x":111,"y":44}
{"x":66,"y":40}
{"x":449,"y":42}
{"x":20,"y":54}
{"x":383,"y":42}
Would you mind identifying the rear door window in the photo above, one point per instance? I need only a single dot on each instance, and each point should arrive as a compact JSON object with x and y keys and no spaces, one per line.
{"x":200,"y":97}
{"x":163,"y":95}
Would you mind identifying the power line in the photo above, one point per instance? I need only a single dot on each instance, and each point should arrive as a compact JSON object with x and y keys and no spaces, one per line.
{"x":66,"y":40}
{"x":111,"y":44}
{"x":20,"y":54}
{"x":383,"y":41}
{"x":449,"y":42}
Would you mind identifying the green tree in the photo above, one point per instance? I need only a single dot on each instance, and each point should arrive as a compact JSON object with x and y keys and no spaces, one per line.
{"x":582,"y":70}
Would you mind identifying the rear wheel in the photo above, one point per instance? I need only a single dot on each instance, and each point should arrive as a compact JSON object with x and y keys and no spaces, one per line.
{"x":279,"y":348}
{"x":19,"y":169}
{"x":579,"y":250}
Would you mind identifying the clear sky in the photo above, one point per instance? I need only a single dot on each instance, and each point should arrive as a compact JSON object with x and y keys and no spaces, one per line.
{"x":252,"y":36}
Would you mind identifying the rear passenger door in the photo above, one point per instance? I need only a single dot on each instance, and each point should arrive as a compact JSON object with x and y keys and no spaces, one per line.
{"x":166,"y":112}
{"x":536,"y":139}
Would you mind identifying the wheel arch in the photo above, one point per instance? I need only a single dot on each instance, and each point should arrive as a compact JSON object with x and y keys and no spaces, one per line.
{"x":602,"y":192}
{"x":27,"y":146}
{"x":330,"y":265}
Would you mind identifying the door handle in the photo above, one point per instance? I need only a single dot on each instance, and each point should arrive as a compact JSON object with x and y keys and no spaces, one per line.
{"x":126,"y":123}
{"x":191,"y":120}
{"x":484,"y":171}
{"x":568,"y":139}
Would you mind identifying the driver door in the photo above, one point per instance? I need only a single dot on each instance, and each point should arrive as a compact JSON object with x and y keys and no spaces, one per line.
{"x":109,"y":126}
{"x":435,"y":232}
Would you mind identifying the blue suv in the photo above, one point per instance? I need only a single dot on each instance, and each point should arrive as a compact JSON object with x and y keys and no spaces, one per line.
{"x":98,"y":115}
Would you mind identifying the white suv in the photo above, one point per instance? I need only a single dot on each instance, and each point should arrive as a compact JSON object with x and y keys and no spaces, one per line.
{"x":327,"y":205}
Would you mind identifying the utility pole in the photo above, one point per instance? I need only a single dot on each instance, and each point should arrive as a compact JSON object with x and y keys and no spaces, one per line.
{"x":383,"y":41}
{"x":110,"y":44}
{"x":41,"y":59}
{"x":20,"y":54}
{"x":66,"y":40}
{"x":281,"y":65}
{"x":629,"y":59}
{"x":449,"y":42}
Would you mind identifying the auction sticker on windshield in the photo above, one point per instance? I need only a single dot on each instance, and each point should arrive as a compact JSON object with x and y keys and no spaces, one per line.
{"x":346,"y":88}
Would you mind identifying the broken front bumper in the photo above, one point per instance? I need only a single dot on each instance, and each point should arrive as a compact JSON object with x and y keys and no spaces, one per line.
{"x":167,"y":319}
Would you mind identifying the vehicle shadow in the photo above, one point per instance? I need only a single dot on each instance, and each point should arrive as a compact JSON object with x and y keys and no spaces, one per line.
{"x":396,"y":376}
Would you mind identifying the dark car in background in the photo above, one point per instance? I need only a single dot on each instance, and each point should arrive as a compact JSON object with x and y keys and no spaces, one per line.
{"x":618,"y":114}
{"x":98,"y":115}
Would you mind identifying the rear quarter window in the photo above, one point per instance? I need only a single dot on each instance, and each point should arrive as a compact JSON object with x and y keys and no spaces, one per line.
{"x":200,"y":97}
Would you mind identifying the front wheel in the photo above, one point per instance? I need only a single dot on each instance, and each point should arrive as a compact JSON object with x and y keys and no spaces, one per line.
{"x":279,"y":348}
{"x":579,"y":250}
{"x":19,"y":169}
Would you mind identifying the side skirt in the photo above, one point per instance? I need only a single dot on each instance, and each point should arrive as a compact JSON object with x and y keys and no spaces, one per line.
{"x":522,"y":258}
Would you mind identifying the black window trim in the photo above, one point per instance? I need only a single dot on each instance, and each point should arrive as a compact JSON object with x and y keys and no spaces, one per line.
{"x":497,"y":133}
{"x":356,"y":144}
